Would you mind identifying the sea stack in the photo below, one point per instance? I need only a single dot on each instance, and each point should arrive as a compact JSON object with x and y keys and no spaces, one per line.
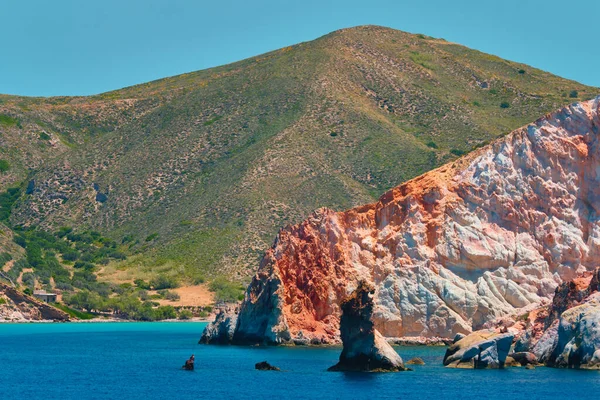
{"x":365,"y":349}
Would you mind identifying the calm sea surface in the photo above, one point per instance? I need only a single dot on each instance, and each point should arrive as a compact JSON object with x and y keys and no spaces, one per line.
{"x":143,"y":360}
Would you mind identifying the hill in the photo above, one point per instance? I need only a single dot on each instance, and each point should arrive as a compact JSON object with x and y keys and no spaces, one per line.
{"x":191,"y":176}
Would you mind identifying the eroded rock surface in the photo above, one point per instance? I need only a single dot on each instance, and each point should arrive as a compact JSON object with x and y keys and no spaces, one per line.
{"x":566,"y":334}
{"x":486,"y":349}
{"x":364,"y":347}
{"x":221,"y":330}
{"x":488,"y":235}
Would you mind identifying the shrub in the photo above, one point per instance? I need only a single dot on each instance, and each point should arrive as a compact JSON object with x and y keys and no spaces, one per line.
{"x":521,"y":71}
{"x":432,"y":144}
{"x":64,"y":286}
{"x":457,"y":152}
{"x":44,"y":136}
{"x":185,"y":314}
{"x":171,"y":296}
{"x":504,"y":104}
{"x":164,"y":312}
{"x":142,"y":284}
{"x":164,"y":282}
{"x":151,"y":237}
{"x":573,"y":94}
{"x":4,"y":165}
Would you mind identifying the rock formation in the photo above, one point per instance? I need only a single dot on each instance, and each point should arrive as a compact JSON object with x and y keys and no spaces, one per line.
{"x":566,"y":334}
{"x":17,"y":306}
{"x":364,"y":347}
{"x":265,"y":366}
{"x":221,"y":330}
{"x":415,"y":361}
{"x":486,"y":349}
{"x":488,"y":235}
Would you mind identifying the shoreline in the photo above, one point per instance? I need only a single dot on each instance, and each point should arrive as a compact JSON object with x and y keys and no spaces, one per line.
{"x":101,"y":320}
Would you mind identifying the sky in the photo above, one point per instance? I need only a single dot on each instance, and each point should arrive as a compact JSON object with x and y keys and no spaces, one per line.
{"x":82,"y":47}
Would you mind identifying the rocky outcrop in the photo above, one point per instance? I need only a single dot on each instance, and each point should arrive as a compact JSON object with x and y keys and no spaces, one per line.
{"x":17,"y":306}
{"x":578,"y":342}
{"x":364,"y":347}
{"x":566,"y":333}
{"x":486,"y":349}
{"x":415,"y":361}
{"x":221,"y":330}
{"x":490,"y":234}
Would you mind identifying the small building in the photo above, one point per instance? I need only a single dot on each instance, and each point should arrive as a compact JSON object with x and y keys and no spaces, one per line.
{"x":45,"y":296}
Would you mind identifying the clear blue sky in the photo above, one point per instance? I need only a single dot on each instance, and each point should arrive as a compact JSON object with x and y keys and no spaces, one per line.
{"x":83,"y":47}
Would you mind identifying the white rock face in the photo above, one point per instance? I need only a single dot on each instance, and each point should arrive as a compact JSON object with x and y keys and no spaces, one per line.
{"x":487,"y":235}
{"x":578,"y":344}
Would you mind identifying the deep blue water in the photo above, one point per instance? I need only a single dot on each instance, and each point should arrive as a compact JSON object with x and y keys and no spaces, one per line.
{"x":143,"y":360}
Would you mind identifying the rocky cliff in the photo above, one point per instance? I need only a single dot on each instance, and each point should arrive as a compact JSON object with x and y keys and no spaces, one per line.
{"x":490,"y":234}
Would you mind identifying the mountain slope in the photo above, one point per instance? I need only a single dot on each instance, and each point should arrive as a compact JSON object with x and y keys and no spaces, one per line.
{"x":490,"y":234}
{"x":199,"y":171}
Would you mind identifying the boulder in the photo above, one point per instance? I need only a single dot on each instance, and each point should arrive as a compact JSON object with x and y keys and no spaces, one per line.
{"x":480,"y":350}
{"x":364,"y":347}
{"x":524,"y":358}
{"x":265,"y":366}
{"x":415,"y":361}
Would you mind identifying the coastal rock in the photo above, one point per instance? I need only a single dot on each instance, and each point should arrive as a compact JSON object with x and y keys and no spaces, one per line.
{"x":485,"y":236}
{"x":415,"y":361}
{"x":221,"y":330}
{"x":566,"y":333}
{"x":578,"y":344}
{"x":524,"y":358}
{"x":486,"y":349}
{"x":364,"y":347}
{"x":265,"y":366}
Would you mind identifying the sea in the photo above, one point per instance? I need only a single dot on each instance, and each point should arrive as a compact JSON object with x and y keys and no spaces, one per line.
{"x":143,"y":361}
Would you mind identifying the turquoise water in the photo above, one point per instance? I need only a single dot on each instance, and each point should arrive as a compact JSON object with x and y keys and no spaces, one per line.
{"x":143,"y":360}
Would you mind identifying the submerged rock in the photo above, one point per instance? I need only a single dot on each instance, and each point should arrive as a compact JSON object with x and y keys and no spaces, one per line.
{"x":265,"y":366}
{"x":486,"y":349}
{"x":415,"y":361}
{"x":364,"y":347}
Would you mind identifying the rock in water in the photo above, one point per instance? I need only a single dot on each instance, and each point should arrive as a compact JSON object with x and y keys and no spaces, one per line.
{"x":221,"y":330}
{"x":486,"y":349}
{"x":524,"y":358}
{"x":364,"y":347}
{"x":415,"y":361}
{"x":578,"y":344}
{"x":265,"y":366}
